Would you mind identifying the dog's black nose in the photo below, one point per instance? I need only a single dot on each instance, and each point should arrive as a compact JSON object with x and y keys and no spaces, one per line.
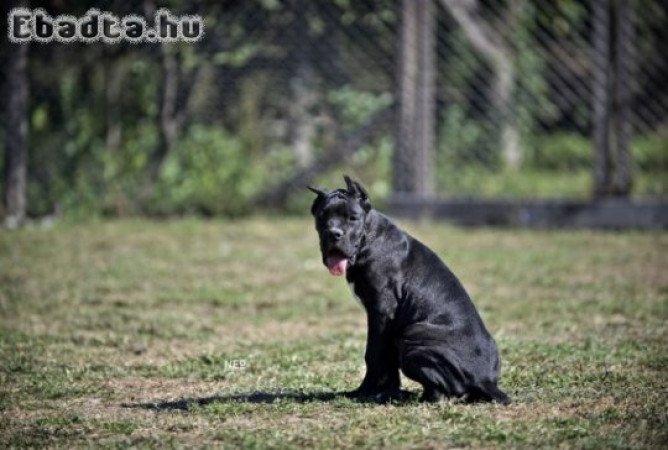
{"x":335,"y":233}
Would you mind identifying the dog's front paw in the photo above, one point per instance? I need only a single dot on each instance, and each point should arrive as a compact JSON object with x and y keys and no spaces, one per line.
{"x":379,"y":396}
{"x":389,"y":395}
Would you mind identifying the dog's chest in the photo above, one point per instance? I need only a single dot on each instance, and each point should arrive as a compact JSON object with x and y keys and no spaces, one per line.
{"x":352,"y":289}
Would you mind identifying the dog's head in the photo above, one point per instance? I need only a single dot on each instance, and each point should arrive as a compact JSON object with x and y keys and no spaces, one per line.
{"x":340,"y":216}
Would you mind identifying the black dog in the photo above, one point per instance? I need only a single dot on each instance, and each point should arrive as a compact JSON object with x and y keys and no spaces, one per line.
{"x":420,"y":318}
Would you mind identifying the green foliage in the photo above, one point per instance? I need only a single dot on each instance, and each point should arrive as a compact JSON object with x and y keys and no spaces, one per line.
{"x":466,"y":134}
{"x":568,"y":151}
{"x":356,"y":106}
{"x":530,"y":100}
{"x":235,"y":91}
{"x":208,"y":172}
{"x":475,"y":181}
{"x":650,"y":152}
{"x":465,"y":141}
{"x":560,"y":152}
{"x":556,"y":165}
{"x":372,"y":163}
{"x":124,"y":168}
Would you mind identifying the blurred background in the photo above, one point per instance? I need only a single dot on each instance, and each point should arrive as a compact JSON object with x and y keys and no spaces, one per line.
{"x":481,"y":99}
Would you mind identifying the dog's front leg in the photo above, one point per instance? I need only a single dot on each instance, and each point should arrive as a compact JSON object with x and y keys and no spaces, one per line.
{"x":382,"y":360}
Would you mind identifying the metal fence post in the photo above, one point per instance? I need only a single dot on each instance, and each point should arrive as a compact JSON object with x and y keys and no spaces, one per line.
{"x":622,"y":125}
{"x":413,"y":158}
{"x":601,"y":96}
{"x":407,"y":73}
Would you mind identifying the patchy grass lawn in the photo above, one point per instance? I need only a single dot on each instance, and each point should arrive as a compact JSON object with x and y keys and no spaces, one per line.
{"x":212,"y":333}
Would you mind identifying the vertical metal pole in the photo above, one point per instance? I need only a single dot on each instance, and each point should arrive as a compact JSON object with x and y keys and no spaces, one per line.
{"x":623,"y":65}
{"x":601,"y":96}
{"x":426,"y":99}
{"x":414,"y":152}
{"x":407,"y":69}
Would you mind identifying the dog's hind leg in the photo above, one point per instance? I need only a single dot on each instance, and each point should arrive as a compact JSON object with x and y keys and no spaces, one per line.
{"x":425,"y":365}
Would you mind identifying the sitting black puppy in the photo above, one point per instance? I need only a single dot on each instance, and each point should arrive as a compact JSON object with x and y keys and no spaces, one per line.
{"x":420,"y":318}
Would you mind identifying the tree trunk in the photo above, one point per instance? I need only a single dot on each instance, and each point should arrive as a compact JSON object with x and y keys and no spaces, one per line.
{"x":302,"y":119}
{"x":491,"y":47}
{"x":303,"y":92}
{"x":114,"y":72}
{"x":413,"y":156}
{"x":170,"y":119}
{"x":169,"y":126}
{"x":16,"y":135}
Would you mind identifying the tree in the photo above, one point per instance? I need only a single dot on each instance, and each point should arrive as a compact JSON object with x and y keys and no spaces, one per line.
{"x":16,"y":135}
{"x":176,"y":87}
{"x":490,"y":45}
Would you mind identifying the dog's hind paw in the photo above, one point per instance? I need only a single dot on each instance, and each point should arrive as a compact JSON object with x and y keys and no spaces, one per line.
{"x":433,"y":396}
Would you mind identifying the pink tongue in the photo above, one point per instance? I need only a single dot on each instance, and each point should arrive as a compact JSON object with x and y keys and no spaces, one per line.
{"x":337,"y":265}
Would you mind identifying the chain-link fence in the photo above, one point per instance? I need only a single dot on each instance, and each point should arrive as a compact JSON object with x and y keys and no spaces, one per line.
{"x":554,"y":97}
{"x":473,"y":98}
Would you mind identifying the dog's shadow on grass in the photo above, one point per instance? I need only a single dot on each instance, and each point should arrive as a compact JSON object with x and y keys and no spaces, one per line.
{"x":258,"y":397}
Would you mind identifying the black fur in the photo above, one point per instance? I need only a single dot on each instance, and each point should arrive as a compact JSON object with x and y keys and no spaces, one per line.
{"x":420,"y":319}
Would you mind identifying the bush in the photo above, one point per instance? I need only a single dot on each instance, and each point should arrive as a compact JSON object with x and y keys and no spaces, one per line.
{"x":560,"y":151}
{"x":466,"y":141}
{"x":356,"y":106}
{"x":569,"y":151}
{"x":650,"y":152}
{"x":208,"y":172}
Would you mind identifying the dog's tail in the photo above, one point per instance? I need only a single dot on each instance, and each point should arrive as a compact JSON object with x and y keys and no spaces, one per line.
{"x":488,"y":391}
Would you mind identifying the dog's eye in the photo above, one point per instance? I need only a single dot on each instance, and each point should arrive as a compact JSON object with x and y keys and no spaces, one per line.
{"x":353,"y":218}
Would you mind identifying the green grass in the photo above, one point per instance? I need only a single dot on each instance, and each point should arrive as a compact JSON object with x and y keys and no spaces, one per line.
{"x":535,"y":183}
{"x":134,"y":333}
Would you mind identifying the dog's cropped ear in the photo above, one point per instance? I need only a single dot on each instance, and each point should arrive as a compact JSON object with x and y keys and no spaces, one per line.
{"x":321,"y":194}
{"x":357,"y":190}
{"x":317,"y":191}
